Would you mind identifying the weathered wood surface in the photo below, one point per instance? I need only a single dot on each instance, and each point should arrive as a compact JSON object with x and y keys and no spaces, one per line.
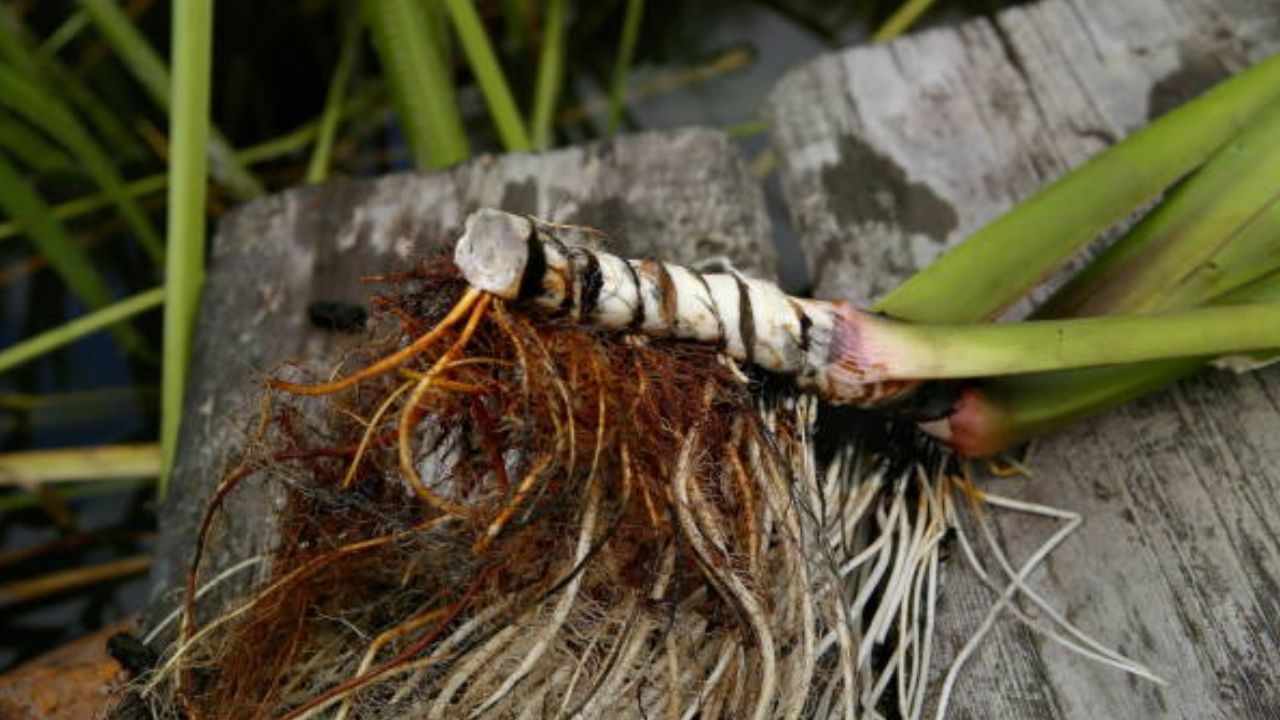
{"x":889,"y":155}
{"x":683,"y":195}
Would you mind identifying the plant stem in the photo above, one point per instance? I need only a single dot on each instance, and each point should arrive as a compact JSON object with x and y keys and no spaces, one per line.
{"x":998,"y":414}
{"x":1000,"y":263}
{"x":189,"y":135}
{"x":550,"y":73}
{"x":318,"y":168}
{"x":901,"y":351}
{"x":493,"y":84}
{"x":622,"y":65}
{"x":420,"y":87}
{"x":1001,"y":412}
{"x":68,"y":332}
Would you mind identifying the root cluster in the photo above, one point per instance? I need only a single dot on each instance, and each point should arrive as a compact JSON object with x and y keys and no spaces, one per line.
{"x":506,"y":515}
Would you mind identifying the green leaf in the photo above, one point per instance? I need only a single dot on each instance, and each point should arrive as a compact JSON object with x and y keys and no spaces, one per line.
{"x":622,"y":64}
{"x":1202,"y":215}
{"x":189,"y":137}
{"x":73,"y":330}
{"x":149,"y":69}
{"x":421,"y":90}
{"x":30,"y":147}
{"x":275,"y":148}
{"x":47,"y":112}
{"x":493,"y":83}
{"x":1253,"y":253}
{"x":21,"y":202}
{"x":1000,"y":263}
{"x":43,"y":68}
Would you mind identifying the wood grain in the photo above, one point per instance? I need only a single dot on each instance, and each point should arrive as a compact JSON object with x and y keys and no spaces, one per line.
{"x":682,"y":195}
{"x":891,"y":154}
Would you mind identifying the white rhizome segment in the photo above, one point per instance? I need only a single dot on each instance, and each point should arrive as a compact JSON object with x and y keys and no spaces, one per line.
{"x":520,"y":258}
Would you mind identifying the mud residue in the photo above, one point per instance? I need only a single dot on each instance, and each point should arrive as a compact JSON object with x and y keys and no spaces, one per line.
{"x":866,"y":186}
{"x":1195,"y":74}
{"x":520,"y":197}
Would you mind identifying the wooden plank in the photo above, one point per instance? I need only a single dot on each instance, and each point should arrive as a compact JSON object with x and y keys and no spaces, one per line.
{"x":681,"y":195}
{"x":889,"y":155}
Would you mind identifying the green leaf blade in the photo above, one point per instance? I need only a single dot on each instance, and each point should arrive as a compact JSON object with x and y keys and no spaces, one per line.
{"x":420,"y":88}
{"x":998,"y":265}
{"x":493,"y":82}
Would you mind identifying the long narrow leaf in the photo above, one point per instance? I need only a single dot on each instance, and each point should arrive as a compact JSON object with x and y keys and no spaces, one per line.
{"x":20,"y":47}
{"x":318,"y":168}
{"x":83,"y":206}
{"x":21,"y":202}
{"x":550,"y":74}
{"x":66,"y":32}
{"x":422,"y":91}
{"x":1001,"y":262}
{"x":47,"y":112}
{"x":1198,"y":218}
{"x":1254,"y":252}
{"x":30,"y":147}
{"x":493,"y":83}
{"x":189,"y":136}
{"x":22,"y":501}
{"x":902,"y":19}
{"x":622,"y":64}
{"x":149,"y":69}
{"x":69,"y":332}
{"x":95,"y":462}
{"x":272,"y":149}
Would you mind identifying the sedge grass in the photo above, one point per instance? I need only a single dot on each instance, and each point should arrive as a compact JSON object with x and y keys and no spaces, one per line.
{"x":489,"y":75}
{"x":327,"y":129}
{"x":149,"y":69}
{"x":39,"y":107}
{"x":421,"y":89}
{"x":622,"y":64}
{"x":15,"y":502}
{"x":55,"y":583}
{"x":21,"y":202}
{"x":73,"y":330}
{"x":275,"y":148}
{"x":550,"y":73}
{"x":189,"y":136}
{"x":33,"y":60}
{"x":30,"y":148}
